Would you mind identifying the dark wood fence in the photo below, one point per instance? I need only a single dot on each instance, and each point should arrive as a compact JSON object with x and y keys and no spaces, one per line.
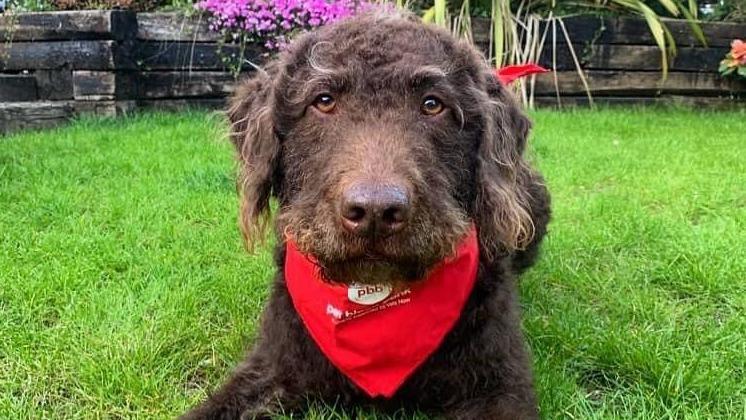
{"x":56,"y":65}
{"x":622,"y":64}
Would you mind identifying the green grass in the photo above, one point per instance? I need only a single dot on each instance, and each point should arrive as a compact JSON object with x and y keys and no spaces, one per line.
{"x":125,"y":291}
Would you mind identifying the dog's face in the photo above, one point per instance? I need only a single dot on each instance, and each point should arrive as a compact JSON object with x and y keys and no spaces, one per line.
{"x":383,"y":139}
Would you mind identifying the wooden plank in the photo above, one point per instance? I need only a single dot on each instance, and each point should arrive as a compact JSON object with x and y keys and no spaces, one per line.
{"x":105,"y":108}
{"x":94,"y":85}
{"x":713,"y":102}
{"x":54,"y":84}
{"x":174,"y":27}
{"x":480,"y":28}
{"x":182,"y":104}
{"x":16,"y":116}
{"x":634,"y":31}
{"x":616,"y":83}
{"x":69,"y":25}
{"x":718,"y":34}
{"x":586,"y":29}
{"x":634,"y":57}
{"x":79,"y":55}
{"x":17,"y":88}
{"x":174,"y":84}
{"x":190,"y":55}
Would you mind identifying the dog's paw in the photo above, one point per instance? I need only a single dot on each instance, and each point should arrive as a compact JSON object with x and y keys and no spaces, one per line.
{"x":256,"y":415}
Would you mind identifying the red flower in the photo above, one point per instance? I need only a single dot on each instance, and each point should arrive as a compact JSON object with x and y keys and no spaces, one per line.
{"x":738,"y":51}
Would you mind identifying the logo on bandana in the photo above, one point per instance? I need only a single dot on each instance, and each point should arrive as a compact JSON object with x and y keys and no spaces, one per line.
{"x":368,"y":295}
{"x":365,"y":300}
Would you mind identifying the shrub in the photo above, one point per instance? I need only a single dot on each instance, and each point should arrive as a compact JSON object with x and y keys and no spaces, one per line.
{"x":134,"y":5}
{"x":26,"y":5}
{"x":271,"y":22}
{"x":728,"y":10}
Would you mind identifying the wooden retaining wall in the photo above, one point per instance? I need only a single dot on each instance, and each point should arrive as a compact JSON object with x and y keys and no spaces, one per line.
{"x":56,"y":65}
{"x":622,"y":64}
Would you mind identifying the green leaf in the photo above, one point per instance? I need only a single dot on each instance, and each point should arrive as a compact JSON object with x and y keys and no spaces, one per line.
{"x":498,"y":31}
{"x":670,"y":41}
{"x":441,"y":10}
{"x":742,"y":71}
{"x":695,"y":26}
{"x":693,"y":10}
{"x":659,"y":35}
{"x":671,"y":6}
{"x":429,"y":15}
{"x":728,"y":71}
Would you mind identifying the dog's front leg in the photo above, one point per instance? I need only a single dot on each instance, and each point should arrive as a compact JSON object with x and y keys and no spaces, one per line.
{"x":251,"y":393}
{"x":499,"y":407}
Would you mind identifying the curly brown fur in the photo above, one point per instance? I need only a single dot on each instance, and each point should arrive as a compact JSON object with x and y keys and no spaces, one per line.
{"x":464,"y":165}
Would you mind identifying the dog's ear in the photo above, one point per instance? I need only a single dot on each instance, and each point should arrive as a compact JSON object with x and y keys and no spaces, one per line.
{"x":502,"y":209}
{"x":257,"y":147}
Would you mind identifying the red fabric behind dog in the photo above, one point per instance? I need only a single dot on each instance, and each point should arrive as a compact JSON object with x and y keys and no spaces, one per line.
{"x":509,"y":74}
{"x":376,"y":336}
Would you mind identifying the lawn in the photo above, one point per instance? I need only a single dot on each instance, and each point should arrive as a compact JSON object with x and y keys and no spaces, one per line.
{"x":125,"y":291}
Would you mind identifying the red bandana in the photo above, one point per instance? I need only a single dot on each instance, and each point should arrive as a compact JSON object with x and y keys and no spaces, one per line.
{"x":376,"y":336}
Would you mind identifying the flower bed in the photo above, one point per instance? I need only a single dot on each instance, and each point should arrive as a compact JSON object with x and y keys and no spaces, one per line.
{"x":55,"y":65}
{"x":270,"y":21}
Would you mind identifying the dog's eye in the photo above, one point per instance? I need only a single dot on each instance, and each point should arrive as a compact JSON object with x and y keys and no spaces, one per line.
{"x":324,"y":103}
{"x":431,"y":106}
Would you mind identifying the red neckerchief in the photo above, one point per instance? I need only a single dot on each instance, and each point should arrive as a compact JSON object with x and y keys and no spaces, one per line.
{"x":375,"y":336}
{"x":508,"y":74}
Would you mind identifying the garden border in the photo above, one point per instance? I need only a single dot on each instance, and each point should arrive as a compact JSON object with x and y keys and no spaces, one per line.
{"x":55,"y":65}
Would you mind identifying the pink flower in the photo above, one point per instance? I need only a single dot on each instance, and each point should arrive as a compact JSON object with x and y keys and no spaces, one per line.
{"x":268,"y":21}
{"x":738,"y":51}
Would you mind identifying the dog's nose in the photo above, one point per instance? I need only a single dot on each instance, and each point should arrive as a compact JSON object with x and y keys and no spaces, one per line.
{"x":373,"y":209}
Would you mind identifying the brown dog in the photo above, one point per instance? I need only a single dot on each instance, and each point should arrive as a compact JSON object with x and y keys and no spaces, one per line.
{"x":384,"y":139}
